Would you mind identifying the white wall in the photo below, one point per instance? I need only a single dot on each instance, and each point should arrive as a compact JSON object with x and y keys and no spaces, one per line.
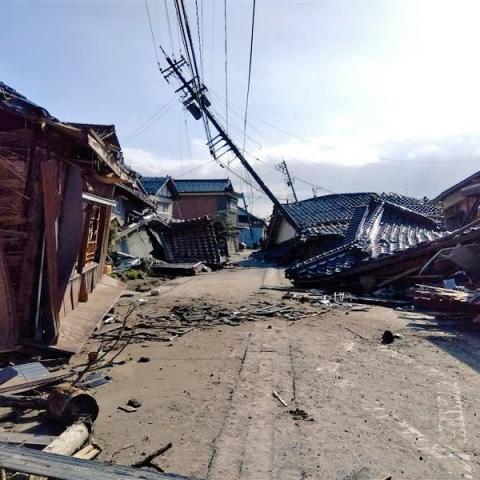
{"x":285,"y":232}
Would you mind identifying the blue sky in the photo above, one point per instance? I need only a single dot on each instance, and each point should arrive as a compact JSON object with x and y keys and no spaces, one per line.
{"x":376,"y":96}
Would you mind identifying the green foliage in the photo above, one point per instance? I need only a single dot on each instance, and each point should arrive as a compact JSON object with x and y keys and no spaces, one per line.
{"x":134,"y":274}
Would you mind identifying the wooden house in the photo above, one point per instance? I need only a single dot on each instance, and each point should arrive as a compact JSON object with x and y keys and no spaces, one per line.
{"x":56,"y":197}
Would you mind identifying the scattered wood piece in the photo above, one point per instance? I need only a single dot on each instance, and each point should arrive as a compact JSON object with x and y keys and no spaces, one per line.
{"x":279,"y":398}
{"x":89,"y":452}
{"x":13,"y":401}
{"x":26,"y":438}
{"x":125,"y":447}
{"x":147,"y":461}
{"x":356,"y":334}
{"x":127,"y":408}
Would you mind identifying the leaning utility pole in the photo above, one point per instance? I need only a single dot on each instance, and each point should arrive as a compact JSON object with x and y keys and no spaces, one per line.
{"x":197,"y":104}
{"x":283,"y":167}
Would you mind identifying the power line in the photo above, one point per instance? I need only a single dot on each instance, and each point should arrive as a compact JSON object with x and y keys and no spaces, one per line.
{"x":169,"y":26}
{"x":200,"y":47}
{"x":249,"y":74}
{"x":226,"y":62}
{"x":149,"y":121}
{"x":196,"y":168}
{"x":153,"y":35}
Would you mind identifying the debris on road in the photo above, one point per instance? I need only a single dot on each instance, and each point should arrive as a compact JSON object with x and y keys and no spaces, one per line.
{"x":387,"y":337}
{"x":279,"y":398}
{"x":147,"y":461}
{"x":127,"y":408}
{"x":299,"y":414}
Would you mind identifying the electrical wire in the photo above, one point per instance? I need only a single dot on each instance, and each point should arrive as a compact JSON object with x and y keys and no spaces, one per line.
{"x":149,"y":121}
{"x":153,"y":34}
{"x":249,"y":74}
{"x":226,"y":61}
{"x":200,"y":47}
{"x":169,"y":26}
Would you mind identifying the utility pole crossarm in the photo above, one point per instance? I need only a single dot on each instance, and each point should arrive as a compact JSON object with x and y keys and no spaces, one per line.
{"x":197,"y":103}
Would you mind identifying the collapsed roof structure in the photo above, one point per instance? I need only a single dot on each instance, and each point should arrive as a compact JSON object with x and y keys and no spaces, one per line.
{"x":377,"y":231}
{"x":325,"y":222}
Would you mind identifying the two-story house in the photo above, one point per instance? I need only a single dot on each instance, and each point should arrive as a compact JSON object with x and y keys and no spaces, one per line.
{"x":215,"y":198}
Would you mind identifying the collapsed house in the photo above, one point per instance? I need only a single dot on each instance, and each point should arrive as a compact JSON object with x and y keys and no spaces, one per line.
{"x":461,"y":202}
{"x":323,"y":222}
{"x":57,"y":182}
{"x":387,"y":244}
{"x":377,"y":236}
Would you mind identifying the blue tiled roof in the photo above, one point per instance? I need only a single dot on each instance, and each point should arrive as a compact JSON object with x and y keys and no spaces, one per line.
{"x":153,"y":184}
{"x":377,"y":230}
{"x":215,"y":185}
{"x":332,"y":214}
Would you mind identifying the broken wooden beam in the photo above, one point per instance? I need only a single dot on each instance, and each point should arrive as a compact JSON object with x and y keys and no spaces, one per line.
{"x":34,"y":462}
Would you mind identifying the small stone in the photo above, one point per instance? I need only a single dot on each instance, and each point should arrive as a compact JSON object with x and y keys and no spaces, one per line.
{"x":133,"y":402}
{"x":387,"y":337}
{"x":154,"y":293}
{"x":144,"y":359}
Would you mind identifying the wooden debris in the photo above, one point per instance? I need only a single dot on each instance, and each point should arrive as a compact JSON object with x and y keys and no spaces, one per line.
{"x":147,"y":461}
{"x":127,"y":408}
{"x":26,"y":438}
{"x":71,"y":440}
{"x":279,"y":398}
{"x":89,"y":452}
{"x":60,"y":467}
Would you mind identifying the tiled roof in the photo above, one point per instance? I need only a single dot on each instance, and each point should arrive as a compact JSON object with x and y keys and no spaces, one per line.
{"x":210,"y":185}
{"x":18,"y":102}
{"x":332,"y":214}
{"x":153,"y":184}
{"x":378,"y":230}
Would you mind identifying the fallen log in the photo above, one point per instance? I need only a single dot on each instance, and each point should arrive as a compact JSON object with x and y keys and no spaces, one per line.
{"x":71,"y":440}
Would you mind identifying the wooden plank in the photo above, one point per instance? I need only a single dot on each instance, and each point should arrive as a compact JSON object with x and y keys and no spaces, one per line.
{"x":17,"y":135}
{"x":50,"y":207}
{"x":26,"y":438}
{"x":26,"y":386}
{"x":34,"y":462}
{"x":79,"y":324}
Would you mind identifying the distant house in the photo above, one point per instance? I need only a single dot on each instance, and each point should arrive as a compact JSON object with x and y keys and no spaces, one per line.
{"x":461,"y":202}
{"x":200,"y":197}
{"x":215,"y":198}
{"x":323,"y":221}
{"x":162,"y":192}
{"x":257,"y":225}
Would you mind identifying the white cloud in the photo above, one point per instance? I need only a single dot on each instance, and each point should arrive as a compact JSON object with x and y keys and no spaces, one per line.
{"x":346,"y":150}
